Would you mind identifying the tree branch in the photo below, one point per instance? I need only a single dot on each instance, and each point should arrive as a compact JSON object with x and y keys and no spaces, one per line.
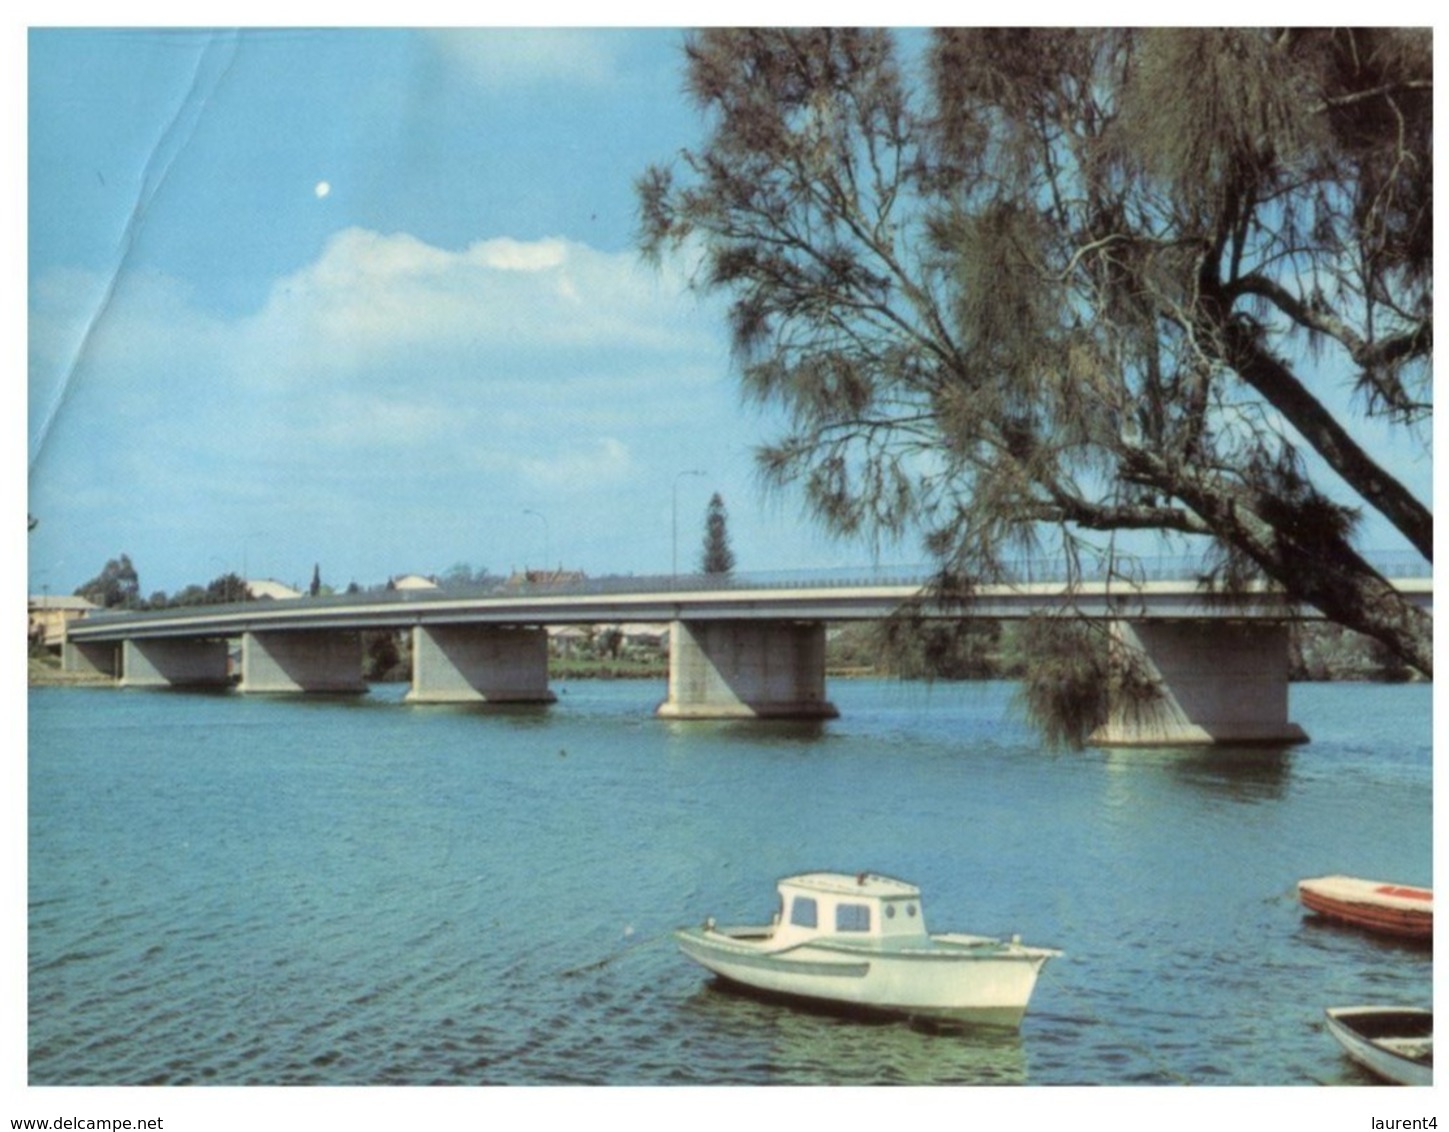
{"x":1329,"y":438}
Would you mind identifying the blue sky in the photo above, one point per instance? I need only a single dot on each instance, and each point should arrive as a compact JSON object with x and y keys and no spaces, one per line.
{"x":370,"y":300}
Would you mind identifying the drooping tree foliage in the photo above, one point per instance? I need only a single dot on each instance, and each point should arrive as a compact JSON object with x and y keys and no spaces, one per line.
{"x":1053,"y":285}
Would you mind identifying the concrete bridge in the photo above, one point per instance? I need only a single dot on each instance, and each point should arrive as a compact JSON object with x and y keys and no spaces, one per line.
{"x":745,"y":648}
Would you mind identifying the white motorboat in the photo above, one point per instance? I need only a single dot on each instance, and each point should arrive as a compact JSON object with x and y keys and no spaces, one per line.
{"x":1394,"y":1042}
{"x":860,"y":941}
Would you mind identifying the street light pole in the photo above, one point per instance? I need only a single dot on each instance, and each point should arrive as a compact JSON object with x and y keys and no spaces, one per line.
{"x":674,"y":519}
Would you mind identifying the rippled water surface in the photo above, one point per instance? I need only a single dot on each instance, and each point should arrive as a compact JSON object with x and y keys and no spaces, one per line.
{"x":238,"y":890}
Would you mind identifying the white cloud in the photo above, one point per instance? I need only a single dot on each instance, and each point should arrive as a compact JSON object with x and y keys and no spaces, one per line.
{"x":512,"y":57}
{"x":373,"y":300}
{"x":596,"y":464}
{"x":377,"y":422}
{"x":386,"y":377}
{"x":515,"y":255}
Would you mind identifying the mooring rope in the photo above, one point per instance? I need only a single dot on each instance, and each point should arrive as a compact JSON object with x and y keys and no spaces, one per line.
{"x":597,"y":964}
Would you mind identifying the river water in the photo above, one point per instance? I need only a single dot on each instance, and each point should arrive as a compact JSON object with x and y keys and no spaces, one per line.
{"x":280,"y":891}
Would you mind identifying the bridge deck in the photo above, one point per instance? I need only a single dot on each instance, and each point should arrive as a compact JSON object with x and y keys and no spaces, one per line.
{"x":1154,"y":600}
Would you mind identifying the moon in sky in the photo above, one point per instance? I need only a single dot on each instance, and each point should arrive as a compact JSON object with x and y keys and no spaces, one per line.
{"x":322,"y":189}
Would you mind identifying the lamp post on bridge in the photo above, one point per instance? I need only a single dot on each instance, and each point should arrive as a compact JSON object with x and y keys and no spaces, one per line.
{"x":674,"y":520}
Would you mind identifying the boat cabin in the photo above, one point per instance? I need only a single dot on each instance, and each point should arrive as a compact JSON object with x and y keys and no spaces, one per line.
{"x":865,"y":906}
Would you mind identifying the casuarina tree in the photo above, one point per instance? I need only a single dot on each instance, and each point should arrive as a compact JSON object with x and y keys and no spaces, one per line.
{"x":1048,"y":292}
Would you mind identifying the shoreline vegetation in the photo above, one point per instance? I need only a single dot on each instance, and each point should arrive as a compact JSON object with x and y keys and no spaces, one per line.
{"x":955,"y":651}
{"x":47,"y":670}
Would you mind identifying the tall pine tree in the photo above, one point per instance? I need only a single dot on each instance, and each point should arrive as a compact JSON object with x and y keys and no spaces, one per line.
{"x":718,"y":558}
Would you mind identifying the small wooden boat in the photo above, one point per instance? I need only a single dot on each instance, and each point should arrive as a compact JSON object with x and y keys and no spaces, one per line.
{"x":1394,"y":1042}
{"x":1393,"y":909}
{"x":859,"y":941}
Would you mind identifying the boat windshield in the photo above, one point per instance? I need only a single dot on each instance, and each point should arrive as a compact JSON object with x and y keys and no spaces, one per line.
{"x":852,"y":917}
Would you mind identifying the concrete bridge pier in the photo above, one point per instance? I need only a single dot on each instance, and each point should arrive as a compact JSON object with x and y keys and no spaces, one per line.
{"x":312,"y":660}
{"x":747,"y":669}
{"x":1221,"y":682}
{"x":91,"y":658}
{"x":480,"y":664}
{"x":174,"y":662}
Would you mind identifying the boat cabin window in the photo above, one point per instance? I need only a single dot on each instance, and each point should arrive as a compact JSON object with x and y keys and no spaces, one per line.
{"x":803,"y":912}
{"x":852,"y":917}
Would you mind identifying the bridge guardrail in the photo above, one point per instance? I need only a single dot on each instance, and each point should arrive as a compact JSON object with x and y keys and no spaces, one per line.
{"x":1398,"y":565}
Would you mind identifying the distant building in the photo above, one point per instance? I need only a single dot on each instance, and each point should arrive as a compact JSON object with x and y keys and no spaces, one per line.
{"x":412,"y":582}
{"x":647,"y":636}
{"x":267,"y":588}
{"x":566,"y":639}
{"x":49,"y":616}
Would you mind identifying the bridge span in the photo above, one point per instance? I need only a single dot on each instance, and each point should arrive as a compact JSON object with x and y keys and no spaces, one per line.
{"x":737,"y":650}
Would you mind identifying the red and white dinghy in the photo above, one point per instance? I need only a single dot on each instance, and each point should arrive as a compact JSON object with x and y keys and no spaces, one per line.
{"x":1393,"y":909}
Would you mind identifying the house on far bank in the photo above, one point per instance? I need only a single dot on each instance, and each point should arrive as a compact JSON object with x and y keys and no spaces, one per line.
{"x":266,"y":587}
{"x":50,"y":614}
{"x":567,"y":640}
{"x":647,"y":636}
{"x":412,"y":582}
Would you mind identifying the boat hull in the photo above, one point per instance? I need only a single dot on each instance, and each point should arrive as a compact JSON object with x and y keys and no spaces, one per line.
{"x":1389,"y":909}
{"x":1394,"y":1043}
{"x":988,"y":984}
